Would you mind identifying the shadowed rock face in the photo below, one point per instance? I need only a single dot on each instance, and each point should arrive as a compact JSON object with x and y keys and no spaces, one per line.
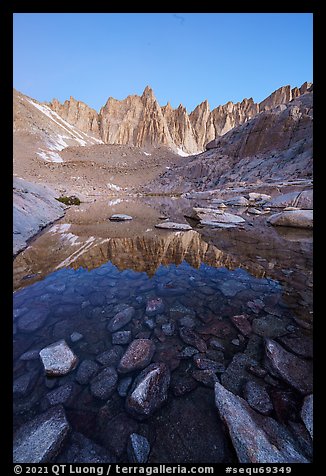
{"x":275,"y":144}
{"x":34,"y":206}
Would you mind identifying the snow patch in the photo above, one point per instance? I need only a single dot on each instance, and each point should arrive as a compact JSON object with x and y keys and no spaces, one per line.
{"x":60,"y":228}
{"x":182,"y":153}
{"x":49,"y":156}
{"x":81,"y":137}
{"x":112,"y":186}
{"x":111,"y":203}
{"x":147,"y":153}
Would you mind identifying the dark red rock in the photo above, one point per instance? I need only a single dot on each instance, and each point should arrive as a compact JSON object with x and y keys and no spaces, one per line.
{"x":216,"y":328}
{"x":149,"y":391}
{"x":154,"y":306}
{"x":192,"y":338}
{"x":285,"y":404}
{"x":182,"y":384}
{"x":206,"y":377}
{"x":242,"y":323}
{"x":301,"y":346}
{"x":257,"y":370}
{"x":137,"y":356}
{"x":121,"y":319}
{"x":169,"y":355}
{"x":104,"y":384}
{"x":115,"y":435}
{"x":206,"y":364}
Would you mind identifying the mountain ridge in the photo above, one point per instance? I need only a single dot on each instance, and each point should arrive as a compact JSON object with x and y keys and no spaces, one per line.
{"x":140,"y":120}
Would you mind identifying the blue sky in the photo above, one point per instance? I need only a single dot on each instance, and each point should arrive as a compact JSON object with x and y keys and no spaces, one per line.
{"x":185,"y":57}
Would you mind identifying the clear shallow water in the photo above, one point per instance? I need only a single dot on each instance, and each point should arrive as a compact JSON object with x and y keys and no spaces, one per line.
{"x":201,"y":287}
{"x":83,"y":301}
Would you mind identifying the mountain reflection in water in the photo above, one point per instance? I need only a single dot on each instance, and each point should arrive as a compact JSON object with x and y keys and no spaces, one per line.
{"x":139,"y":253}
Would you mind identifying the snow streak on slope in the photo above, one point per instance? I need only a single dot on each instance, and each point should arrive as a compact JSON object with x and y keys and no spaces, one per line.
{"x":58,"y":142}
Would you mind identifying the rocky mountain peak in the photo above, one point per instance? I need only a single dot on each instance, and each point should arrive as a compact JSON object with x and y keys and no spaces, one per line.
{"x":138,"y":120}
{"x":148,"y":93}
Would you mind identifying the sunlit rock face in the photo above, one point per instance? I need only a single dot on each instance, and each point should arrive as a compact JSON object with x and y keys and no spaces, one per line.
{"x":140,"y":120}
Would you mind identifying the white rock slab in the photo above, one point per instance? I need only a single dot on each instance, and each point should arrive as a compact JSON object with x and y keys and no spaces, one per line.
{"x":120,"y":217}
{"x":169,"y":225}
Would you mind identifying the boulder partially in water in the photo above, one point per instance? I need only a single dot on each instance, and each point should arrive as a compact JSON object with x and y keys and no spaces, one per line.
{"x":169,"y":225}
{"x":256,"y":439}
{"x":293,"y":218}
{"x":290,"y":368}
{"x":120,"y":217}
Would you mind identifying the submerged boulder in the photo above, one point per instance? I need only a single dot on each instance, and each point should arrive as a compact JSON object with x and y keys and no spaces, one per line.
{"x":121,"y":319}
{"x":137,"y":356}
{"x":149,"y":391}
{"x":58,"y":359}
{"x":307,"y":413}
{"x":40,"y":440}
{"x":138,"y":448}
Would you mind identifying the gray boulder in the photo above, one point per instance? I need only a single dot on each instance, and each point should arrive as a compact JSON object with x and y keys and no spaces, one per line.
{"x":120,"y":217}
{"x":307,"y":414}
{"x":293,"y":218}
{"x":168,"y":225}
{"x":138,"y":449}
{"x":58,"y":359}
{"x":289,"y":367}
{"x":256,"y":439}
{"x":40,"y":440}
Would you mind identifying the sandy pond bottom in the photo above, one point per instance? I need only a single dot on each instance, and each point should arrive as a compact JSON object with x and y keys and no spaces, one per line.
{"x":185,"y":291}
